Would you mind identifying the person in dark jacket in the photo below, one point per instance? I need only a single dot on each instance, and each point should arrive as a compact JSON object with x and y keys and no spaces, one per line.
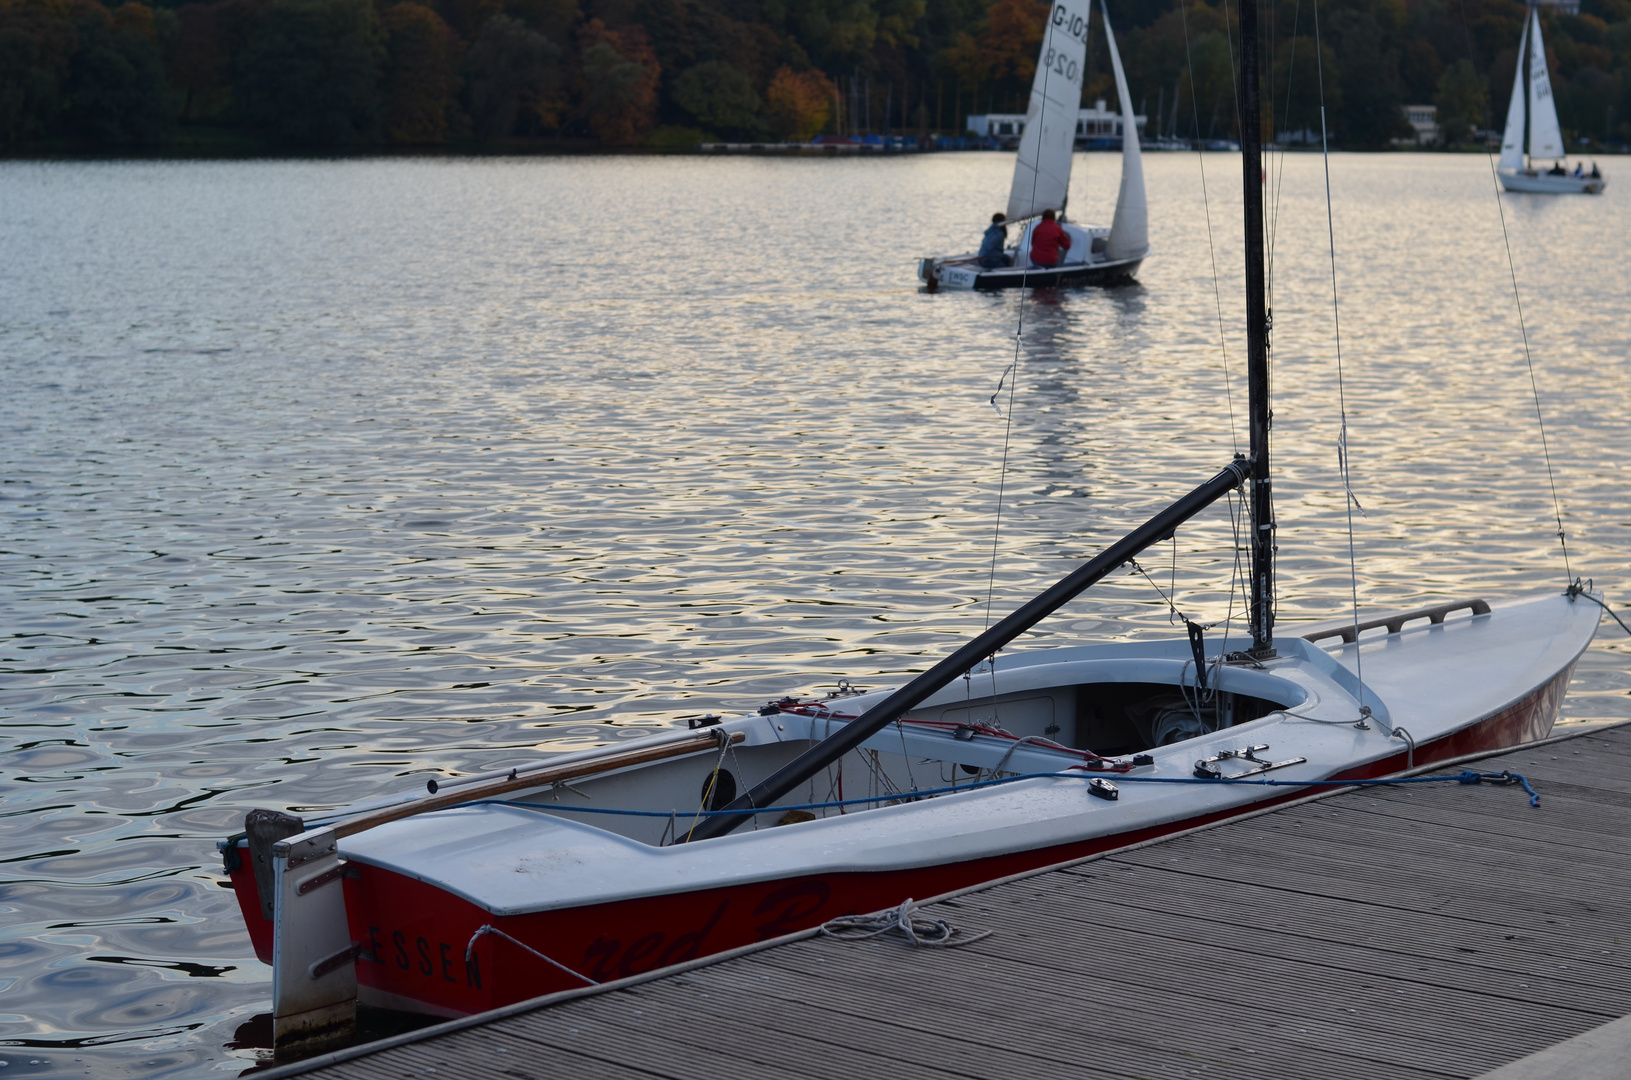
{"x":1049,"y":242}
{"x":996,"y":235}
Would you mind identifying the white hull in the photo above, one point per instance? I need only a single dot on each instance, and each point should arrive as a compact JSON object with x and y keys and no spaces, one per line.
{"x":1544,"y":183}
{"x":599,"y":893}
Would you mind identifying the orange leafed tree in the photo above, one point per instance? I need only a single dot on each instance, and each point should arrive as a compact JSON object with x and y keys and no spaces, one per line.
{"x":1013,"y":32}
{"x":799,"y":103}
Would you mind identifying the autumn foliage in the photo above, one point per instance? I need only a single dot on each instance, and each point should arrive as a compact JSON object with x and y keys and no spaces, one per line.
{"x":280,"y":74}
{"x":799,"y":103}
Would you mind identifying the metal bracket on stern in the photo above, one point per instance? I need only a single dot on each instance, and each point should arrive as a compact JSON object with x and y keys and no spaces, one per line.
{"x":314,"y":975}
{"x":1207,"y":768}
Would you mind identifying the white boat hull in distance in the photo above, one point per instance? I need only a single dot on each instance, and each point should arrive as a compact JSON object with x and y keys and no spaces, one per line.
{"x":1544,"y":183}
{"x":965,"y":272}
{"x":1041,"y":182}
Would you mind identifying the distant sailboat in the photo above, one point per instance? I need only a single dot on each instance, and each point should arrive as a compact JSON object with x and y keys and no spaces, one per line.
{"x":1545,"y":137}
{"x":1096,"y":256}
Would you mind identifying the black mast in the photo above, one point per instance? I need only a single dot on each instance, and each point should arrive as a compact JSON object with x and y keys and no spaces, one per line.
{"x":1158,"y":528}
{"x":902,"y":701}
{"x":1257,"y":337}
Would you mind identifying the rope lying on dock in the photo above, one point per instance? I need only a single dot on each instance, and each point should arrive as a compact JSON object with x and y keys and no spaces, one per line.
{"x":1466,"y":776}
{"x":904,"y":920}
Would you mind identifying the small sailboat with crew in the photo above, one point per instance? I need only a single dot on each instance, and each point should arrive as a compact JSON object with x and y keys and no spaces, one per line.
{"x":1088,"y":255}
{"x":607,"y":863}
{"x":1533,"y":87}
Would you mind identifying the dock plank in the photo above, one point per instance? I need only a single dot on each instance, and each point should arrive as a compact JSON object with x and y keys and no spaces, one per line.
{"x":1422,"y":932}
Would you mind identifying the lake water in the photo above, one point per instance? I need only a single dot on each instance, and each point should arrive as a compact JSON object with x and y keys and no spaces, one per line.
{"x":319,"y":478}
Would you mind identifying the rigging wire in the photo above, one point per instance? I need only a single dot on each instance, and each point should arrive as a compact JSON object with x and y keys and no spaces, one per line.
{"x":1234,"y":76}
{"x":1523,"y":329}
{"x":1350,"y":503}
{"x":1211,"y":245}
{"x":1019,"y":332}
{"x":1277,"y":187}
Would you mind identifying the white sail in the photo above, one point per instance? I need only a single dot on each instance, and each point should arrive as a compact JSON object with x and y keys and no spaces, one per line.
{"x":1512,"y":141}
{"x":1545,"y":139}
{"x":1042,"y":173}
{"x":1130,"y":230}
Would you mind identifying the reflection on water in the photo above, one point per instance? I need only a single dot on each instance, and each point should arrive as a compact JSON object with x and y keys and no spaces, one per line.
{"x":322,"y":477}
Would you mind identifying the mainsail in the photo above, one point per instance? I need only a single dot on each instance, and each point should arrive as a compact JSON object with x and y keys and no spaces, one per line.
{"x":1042,"y":173}
{"x":1512,"y":140}
{"x":1130,"y":230}
{"x":1545,"y":138}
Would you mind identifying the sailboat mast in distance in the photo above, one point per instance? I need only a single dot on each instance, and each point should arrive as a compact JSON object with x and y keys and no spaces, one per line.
{"x":1257,"y":337}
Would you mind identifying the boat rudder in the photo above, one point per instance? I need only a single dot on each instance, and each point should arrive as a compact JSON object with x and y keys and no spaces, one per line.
{"x":314,"y":974}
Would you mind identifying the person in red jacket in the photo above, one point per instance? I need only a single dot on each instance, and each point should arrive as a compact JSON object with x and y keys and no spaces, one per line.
{"x":1049,"y":242}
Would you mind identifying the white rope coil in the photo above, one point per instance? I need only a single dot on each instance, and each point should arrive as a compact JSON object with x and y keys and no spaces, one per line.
{"x":917,"y":929}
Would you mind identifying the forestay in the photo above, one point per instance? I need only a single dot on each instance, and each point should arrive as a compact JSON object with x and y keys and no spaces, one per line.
{"x":1512,"y":140}
{"x":1130,"y":230}
{"x":1042,"y":173}
{"x":1545,"y":139}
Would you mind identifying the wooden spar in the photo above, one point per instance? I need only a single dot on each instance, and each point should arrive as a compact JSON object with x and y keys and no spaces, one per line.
{"x":639,"y":755}
{"x":1257,"y":337}
{"x":908,"y":697}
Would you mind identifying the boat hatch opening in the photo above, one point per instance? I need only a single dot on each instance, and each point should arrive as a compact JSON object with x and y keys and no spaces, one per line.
{"x":1112,"y":719}
{"x":1115,"y":719}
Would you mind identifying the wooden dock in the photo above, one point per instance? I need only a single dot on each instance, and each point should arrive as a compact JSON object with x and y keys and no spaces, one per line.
{"x":1424,"y":931}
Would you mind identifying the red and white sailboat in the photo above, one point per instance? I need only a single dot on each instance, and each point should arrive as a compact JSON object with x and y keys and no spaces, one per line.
{"x":1041,"y":181}
{"x":611,"y":862}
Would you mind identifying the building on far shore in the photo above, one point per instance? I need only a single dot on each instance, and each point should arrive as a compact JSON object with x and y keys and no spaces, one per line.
{"x":1092,"y":125}
{"x":1424,"y":118}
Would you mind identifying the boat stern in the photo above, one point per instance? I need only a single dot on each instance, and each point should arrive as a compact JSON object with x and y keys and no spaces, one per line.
{"x":937,"y":272}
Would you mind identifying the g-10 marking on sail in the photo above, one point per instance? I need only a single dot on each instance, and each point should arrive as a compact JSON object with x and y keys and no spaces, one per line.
{"x":1063,"y":61}
{"x":1041,"y":180}
{"x":1073,"y":24}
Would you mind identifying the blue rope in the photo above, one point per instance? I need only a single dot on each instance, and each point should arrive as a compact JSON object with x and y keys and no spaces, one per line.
{"x":1466,"y":776}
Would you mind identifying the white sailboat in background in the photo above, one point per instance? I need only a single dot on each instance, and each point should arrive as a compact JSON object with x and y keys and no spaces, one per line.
{"x":1545,"y":137}
{"x":1096,"y":256}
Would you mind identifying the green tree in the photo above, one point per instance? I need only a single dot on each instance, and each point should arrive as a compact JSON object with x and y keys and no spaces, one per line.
{"x":1462,"y":100}
{"x":837,"y":35}
{"x":116,"y":91}
{"x":1372,"y":92}
{"x":198,"y":57}
{"x":507,"y":68}
{"x":719,"y":96}
{"x":311,"y":73}
{"x":1296,"y":83}
{"x":620,"y":73}
{"x":37,"y":44}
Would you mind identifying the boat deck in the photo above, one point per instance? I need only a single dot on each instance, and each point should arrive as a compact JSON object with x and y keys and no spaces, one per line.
{"x":1431,"y":930}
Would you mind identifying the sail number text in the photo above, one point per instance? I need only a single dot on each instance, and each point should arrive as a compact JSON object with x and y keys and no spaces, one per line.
{"x":1074,"y":25}
{"x":1055,"y":60}
{"x":1061,"y":64}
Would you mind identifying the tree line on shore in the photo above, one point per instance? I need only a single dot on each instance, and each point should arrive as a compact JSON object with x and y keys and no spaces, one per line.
{"x":268,"y":75}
